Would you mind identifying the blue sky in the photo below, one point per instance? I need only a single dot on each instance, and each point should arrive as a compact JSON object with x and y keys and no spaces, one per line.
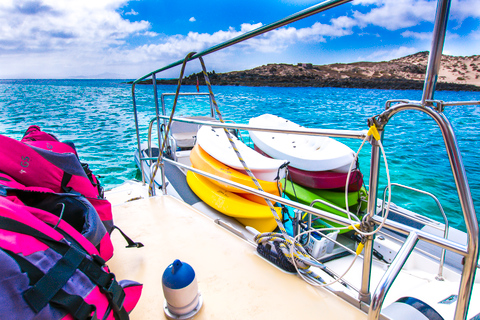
{"x":127,"y":39}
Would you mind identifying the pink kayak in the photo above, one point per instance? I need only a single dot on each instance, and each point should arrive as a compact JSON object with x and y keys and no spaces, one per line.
{"x":326,"y":179}
{"x":323,"y":179}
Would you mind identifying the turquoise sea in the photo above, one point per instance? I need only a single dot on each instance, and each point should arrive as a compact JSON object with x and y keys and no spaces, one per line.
{"x":98,"y":116}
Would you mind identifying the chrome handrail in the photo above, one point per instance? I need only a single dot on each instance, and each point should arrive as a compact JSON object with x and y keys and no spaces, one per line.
{"x":464,"y":194}
{"x":164,"y":117}
{"x":280,"y":23}
{"x":435,"y":57}
{"x":164,"y":110}
{"x":470,"y":251}
{"x":391,"y":225}
{"x":390,"y":276}
{"x":445,"y":220}
{"x":336,"y":133}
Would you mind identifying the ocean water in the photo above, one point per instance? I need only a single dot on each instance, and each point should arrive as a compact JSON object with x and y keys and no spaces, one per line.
{"x":98,"y":116}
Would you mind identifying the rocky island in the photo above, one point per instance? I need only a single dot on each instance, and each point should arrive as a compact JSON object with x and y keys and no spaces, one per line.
{"x":456,"y":73}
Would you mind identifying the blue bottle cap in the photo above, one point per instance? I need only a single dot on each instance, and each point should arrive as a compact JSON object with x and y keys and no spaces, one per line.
{"x":178,"y":275}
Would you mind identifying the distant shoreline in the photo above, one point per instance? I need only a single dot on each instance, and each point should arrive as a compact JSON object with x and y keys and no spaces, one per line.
{"x":407,"y":73}
{"x":328,"y":83}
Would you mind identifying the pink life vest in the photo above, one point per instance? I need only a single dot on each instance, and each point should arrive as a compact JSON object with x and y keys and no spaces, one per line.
{"x":53,"y":244}
{"x":40,"y":160}
{"x":72,"y":208}
{"x":48,"y":270}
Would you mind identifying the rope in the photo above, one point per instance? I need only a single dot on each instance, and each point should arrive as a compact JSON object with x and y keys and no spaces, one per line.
{"x":297,"y":256}
{"x":288,"y":246}
{"x":177,"y":92}
{"x":371,"y":132}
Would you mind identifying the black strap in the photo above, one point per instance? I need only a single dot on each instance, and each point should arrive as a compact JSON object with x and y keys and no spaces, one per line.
{"x":73,"y":304}
{"x":131,"y":243}
{"x":97,"y":184}
{"x":43,"y":291}
{"x":65,"y":180}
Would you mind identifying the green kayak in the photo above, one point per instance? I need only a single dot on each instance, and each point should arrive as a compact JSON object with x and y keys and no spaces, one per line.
{"x":306,"y":196}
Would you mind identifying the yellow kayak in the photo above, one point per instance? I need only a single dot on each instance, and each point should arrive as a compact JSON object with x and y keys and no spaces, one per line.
{"x":249,"y":213}
{"x":201,"y":160}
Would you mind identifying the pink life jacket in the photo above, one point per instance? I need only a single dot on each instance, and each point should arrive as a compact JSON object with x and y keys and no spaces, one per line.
{"x":48,"y":270}
{"x":70,"y":207}
{"x":40,"y":160}
{"x":40,"y":139}
{"x":35,"y":166}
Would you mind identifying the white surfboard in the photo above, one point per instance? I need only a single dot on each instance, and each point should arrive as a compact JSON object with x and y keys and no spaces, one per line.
{"x":215,"y":142}
{"x":309,"y":153}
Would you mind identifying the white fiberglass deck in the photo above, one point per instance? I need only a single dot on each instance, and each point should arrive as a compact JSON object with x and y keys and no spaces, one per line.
{"x":235,"y":283}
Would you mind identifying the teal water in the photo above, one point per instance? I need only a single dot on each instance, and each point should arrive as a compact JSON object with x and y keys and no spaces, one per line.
{"x":97,"y":115}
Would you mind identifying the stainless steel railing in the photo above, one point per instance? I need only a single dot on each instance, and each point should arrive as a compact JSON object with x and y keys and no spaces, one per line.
{"x":404,"y":229}
{"x":323,"y":6}
{"x":470,"y":251}
{"x":440,"y":208}
{"x":466,"y":202}
{"x":390,"y":225}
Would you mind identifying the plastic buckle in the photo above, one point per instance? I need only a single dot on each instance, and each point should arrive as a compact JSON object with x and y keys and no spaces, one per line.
{"x":115,"y":293}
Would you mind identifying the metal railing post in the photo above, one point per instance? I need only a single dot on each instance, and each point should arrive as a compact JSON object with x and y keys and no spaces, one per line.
{"x":137,"y":131}
{"x":364,"y":294}
{"x":389,"y":276}
{"x":435,"y":56}
{"x":465,"y":197}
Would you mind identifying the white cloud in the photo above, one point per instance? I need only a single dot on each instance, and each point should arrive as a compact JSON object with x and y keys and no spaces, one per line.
{"x":462,"y":9}
{"x":131,"y":13}
{"x":177,"y":46}
{"x":52,"y":25}
{"x":417,"y":35}
{"x":395,"y":14}
{"x":149,"y":34}
{"x":398,"y":14}
{"x":385,"y":55}
{"x":90,"y":36}
{"x":427,"y":35}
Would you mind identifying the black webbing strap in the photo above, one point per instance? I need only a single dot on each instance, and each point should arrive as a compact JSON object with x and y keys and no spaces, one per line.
{"x":131,"y":243}
{"x":73,"y":304}
{"x":91,"y":268}
{"x":65,"y":180}
{"x":43,"y":291}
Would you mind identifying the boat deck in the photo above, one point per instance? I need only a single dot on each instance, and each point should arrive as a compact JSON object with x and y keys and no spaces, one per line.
{"x":234,"y":281}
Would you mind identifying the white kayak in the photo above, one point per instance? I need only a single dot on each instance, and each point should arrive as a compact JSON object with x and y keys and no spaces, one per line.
{"x":215,"y":142}
{"x":309,"y":153}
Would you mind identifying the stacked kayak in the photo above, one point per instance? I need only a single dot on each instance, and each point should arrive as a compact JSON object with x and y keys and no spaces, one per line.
{"x":247,"y":212}
{"x":314,"y":161}
{"x":318,"y":166}
{"x":214,"y":154}
{"x":200,"y":159}
{"x":215,"y":142}
{"x":306,"y":196}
